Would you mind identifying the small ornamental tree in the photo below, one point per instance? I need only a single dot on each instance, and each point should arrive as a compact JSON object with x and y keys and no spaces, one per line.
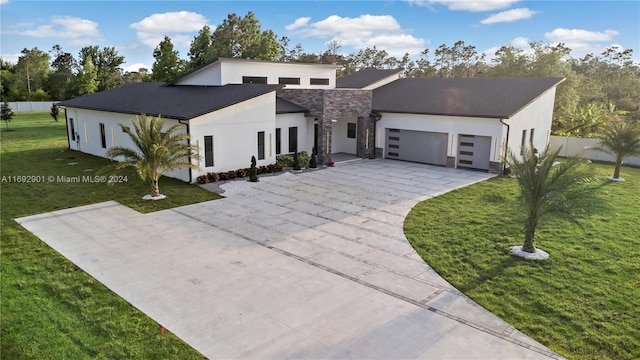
{"x":253,"y":171}
{"x":55,"y":112}
{"x":156,"y":151}
{"x":5,"y":113}
{"x":549,"y":188}
{"x":620,"y":139}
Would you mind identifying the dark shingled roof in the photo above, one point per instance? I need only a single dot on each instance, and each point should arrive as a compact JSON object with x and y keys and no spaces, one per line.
{"x":287,"y":107}
{"x":363,"y":78}
{"x":173,"y":102}
{"x":474,"y":97}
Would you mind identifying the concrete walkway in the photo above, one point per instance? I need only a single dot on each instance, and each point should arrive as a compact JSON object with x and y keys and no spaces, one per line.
{"x":305,"y":266}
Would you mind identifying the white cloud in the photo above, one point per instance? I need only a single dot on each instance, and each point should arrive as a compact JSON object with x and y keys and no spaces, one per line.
{"x":300,"y":22}
{"x":2,"y":2}
{"x":135,"y":67}
{"x":509,"y":16}
{"x":76,"y":30}
{"x":382,"y":31}
{"x":467,"y":5}
{"x":519,"y":42}
{"x":582,"y":42}
{"x":12,"y":58}
{"x":152,"y":29}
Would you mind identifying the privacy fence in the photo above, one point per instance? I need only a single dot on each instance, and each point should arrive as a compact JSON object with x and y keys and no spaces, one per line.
{"x":17,"y":106}
{"x":572,"y":146}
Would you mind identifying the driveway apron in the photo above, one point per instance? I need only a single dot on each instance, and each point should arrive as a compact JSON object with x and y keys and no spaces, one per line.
{"x":300,"y":266}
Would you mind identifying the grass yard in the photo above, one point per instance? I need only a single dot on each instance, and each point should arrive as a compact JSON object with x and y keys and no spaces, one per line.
{"x":49,"y":308}
{"x":582,"y":303}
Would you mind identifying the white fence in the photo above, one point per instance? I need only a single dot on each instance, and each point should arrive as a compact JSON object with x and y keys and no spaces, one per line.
{"x":572,"y":146}
{"x":17,"y":106}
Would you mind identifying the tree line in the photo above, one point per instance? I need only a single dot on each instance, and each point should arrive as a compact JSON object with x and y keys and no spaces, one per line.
{"x":604,"y":83}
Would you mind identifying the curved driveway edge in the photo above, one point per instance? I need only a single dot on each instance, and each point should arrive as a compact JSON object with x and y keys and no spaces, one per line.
{"x":305,"y":266}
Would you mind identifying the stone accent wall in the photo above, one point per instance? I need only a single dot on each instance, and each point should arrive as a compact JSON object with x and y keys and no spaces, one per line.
{"x":332,"y":104}
{"x":451,"y":161}
{"x":495,"y":167}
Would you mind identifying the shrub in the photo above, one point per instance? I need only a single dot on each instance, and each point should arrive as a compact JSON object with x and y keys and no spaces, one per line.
{"x":231,"y":174}
{"x":253,"y":171}
{"x":212,"y":177}
{"x":296,"y":162}
{"x":223,"y":176}
{"x":313,"y":162}
{"x":202,"y":179}
{"x":287,"y":160}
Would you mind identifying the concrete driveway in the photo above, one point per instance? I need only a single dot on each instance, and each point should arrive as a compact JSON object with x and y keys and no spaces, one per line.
{"x":300,"y":266}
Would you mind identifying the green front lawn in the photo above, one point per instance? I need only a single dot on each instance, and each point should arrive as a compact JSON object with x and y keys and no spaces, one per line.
{"x":49,"y":308}
{"x":582,"y":303}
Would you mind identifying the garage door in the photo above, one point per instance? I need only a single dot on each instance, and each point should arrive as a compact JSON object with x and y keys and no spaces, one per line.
{"x":418,"y":146}
{"x":474,"y":151}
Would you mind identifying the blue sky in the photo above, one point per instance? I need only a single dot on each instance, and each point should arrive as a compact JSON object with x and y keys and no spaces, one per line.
{"x":134,"y":28}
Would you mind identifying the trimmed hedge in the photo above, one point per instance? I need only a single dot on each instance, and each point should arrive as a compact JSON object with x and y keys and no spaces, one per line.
{"x":240,"y":173}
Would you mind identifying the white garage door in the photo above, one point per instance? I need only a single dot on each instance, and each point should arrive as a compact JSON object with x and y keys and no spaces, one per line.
{"x":418,"y":146}
{"x":474,"y":151}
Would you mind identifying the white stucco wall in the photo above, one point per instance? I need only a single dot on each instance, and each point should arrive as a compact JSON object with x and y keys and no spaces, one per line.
{"x":340,"y":143}
{"x":87,"y":125}
{"x":229,"y":71}
{"x":284,"y":122}
{"x":571,"y":146}
{"x":537,"y":115}
{"x":209,"y":75}
{"x":235,"y":134}
{"x":451,"y":125}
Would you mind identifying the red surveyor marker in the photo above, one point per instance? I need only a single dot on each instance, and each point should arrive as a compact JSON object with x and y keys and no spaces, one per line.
{"x":163,"y":329}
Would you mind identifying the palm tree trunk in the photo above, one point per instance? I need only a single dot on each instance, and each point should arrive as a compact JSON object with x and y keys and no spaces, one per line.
{"x":529,"y":236}
{"x":155,"y":189}
{"x":616,"y":171}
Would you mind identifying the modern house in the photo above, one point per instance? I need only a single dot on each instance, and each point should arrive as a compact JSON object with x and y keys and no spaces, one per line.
{"x":235,"y":108}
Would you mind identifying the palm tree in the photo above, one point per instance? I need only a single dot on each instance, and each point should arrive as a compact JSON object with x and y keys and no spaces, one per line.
{"x":549,"y":188}
{"x":156,"y":151}
{"x":620,"y":139}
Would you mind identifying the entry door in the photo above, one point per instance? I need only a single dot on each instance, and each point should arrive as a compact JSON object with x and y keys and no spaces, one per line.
{"x":474,"y":151}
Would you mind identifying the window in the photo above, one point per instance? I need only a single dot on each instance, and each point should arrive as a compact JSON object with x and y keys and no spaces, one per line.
{"x":392,"y":146}
{"x":351,"y":130}
{"x":531,"y":136}
{"x":103,"y":136}
{"x":260,"y":145}
{"x":288,"y":81}
{"x":73,"y":129}
{"x":318,"y":81}
{"x":395,"y":138}
{"x":278,"y":141}
{"x":293,"y":139}
{"x":523,"y":142}
{"x":469,"y":144}
{"x":208,"y":151}
{"x":254,"y":79}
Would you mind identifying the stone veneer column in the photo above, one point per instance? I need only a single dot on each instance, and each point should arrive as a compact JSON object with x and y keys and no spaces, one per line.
{"x":366,"y":143}
{"x":451,"y":161}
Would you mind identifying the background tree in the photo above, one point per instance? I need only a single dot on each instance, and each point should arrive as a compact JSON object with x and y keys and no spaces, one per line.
{"x":620,"y":139}
{"x":5,"y":113}
{"x":200,"y":51}
{"x":141,"y":75}
{"x":460,"y":60}
{"x":62,"y":73}
{"x":85,"y":82}
{"x":564,"y":190}
{"x":156,"y":151}
{"x":107,"y":62}
{"x":168,"y":65}
{"x":31,"y":73}
{"x":242,"y":37}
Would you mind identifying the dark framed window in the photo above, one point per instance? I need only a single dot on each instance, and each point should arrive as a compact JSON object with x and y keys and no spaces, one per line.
{"x":531,"y":135}
{"x":260,"y":145}
{"x":208,"y":151}
{"x":254,"y":79}
{"x":73,"y":129}
{"x":103,"y":136}
{"x":523,"y":143}
{"x":278,"y":141}
{"x":319,"y":81}
{"x":293,"y":139}
{"x":351,"y":130}
{"x":289,"y":81}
